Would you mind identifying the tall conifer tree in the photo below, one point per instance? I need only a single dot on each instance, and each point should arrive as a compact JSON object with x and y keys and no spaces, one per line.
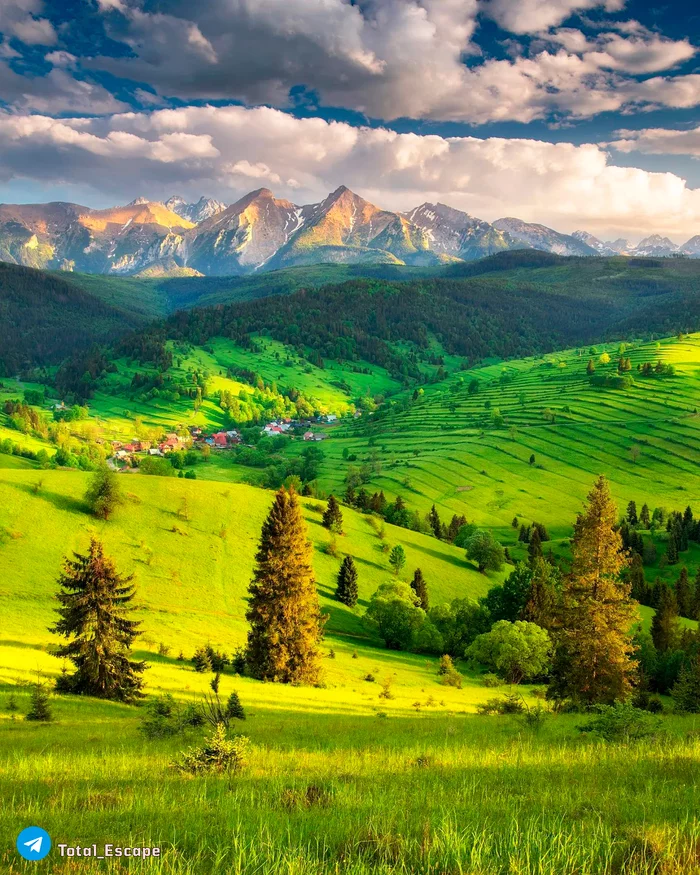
{"x":665,"y":628}
{"x":534,"y":548}
{"x":683,"y":593}
{"x":593,"y":659}
{"x":284,"y":615}
{"x":333,"y":516}
{"x":420,"y":588}
{"x":346,"y":590}
{"x":95,"y":603}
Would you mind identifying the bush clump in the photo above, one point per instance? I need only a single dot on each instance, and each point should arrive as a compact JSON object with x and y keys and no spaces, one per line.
{"x":621,"y":722}
{"x":165,"y":717}
{"x":449,"y":676}
{"x":510,"y":704}
{"x":217,"y":755}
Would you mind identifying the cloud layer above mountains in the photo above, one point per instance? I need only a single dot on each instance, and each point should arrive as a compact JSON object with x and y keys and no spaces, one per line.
{"x":224,"y":151}
{"x":113,"y":95}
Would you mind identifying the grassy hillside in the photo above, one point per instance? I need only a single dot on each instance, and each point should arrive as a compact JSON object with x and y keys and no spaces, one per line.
{"x":470,"y":450}
{"x":192,"y":545}
{"x":487,"y":795}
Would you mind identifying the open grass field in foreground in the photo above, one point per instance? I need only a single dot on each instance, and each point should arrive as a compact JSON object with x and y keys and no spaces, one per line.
{"x":328,"y":791}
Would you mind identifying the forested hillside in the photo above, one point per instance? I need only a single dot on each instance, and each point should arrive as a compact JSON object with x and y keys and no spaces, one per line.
{"x":43,"y":318}
{"x":511,"y":304}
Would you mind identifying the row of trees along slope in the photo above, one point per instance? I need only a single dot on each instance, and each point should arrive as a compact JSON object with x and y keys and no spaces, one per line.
{"x":590,"y":618}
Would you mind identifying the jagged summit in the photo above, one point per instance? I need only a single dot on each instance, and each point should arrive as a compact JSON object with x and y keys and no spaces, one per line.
{"x":261,"y":232}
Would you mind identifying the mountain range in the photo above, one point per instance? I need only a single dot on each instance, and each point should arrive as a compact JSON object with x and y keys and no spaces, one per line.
{"x":261,"y":232}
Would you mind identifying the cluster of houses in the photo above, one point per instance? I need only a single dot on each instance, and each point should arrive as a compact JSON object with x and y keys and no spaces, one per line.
{"x":294,"y":426}
{"x":219,"y":440}
{"x":123,"y":452}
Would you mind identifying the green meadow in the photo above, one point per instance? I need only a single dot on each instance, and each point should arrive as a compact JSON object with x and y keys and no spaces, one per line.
{"x":342,"y":779}
{"x":469,"y":452}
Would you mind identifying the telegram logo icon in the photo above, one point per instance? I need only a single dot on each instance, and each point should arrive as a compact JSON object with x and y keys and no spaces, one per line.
{"x":33,"y":843}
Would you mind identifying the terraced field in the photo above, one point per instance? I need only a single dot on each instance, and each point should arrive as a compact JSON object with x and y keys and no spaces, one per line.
{"x":469,"y":451}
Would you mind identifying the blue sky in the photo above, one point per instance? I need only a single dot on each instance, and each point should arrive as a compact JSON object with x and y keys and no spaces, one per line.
{"x":575,"y":113}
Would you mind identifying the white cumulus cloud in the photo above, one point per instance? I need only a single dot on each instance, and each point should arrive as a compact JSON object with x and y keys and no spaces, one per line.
{"x":225,"y":151}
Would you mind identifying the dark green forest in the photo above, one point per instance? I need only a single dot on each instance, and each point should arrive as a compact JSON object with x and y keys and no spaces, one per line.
{"x":510,"y":305}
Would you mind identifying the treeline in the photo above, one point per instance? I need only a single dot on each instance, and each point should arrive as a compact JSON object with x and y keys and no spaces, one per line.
{"x":363,"y":319}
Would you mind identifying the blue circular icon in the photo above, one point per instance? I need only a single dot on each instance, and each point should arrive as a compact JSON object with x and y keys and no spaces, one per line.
{"x":33,"y":843}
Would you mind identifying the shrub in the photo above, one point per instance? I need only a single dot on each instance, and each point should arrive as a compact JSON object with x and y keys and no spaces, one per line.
{"x":165,"y":718}
{"x":510,"y":704}
{"x":653,"y":704}
{"x":449,"y":676}
{"x":516,"y":651}
{"x":535,"y":717}
{"x":491,"y":680}
{"x":385,"y":692}
{"x":218,"y":754}
{"x":621,"y":722}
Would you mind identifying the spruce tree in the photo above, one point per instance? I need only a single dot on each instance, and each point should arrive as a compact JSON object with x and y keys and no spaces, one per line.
{"x":683,"y":593}
{"x":686,"y":690}
{"x":638,"y":585}
{"x":534,"y":548}
{"x":632,"y":517}
{"x":593,"y":656}
{"x":644,"y":518}
{"x":420,"y":588}
{"x":234,"y":709}
{"x":540,"y":607}
{"x":434,"y":522}
{"x":95,"y":603}
{"x":39,"y":707}
{"x":332,"y":516}
{"x":665,"y":628}
{"x":284,"y":615}
{"x":695,"y":601}
{"x":346,"y":590}
{"x":672,"y":549}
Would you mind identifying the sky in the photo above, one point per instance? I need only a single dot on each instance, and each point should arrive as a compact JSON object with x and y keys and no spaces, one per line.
{"x":578,"y":114}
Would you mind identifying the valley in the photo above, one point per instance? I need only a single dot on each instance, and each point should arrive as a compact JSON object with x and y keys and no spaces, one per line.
{"x":489,"y":401}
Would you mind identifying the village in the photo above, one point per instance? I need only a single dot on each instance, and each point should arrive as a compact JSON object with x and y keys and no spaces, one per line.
{"x":125,"y":456}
